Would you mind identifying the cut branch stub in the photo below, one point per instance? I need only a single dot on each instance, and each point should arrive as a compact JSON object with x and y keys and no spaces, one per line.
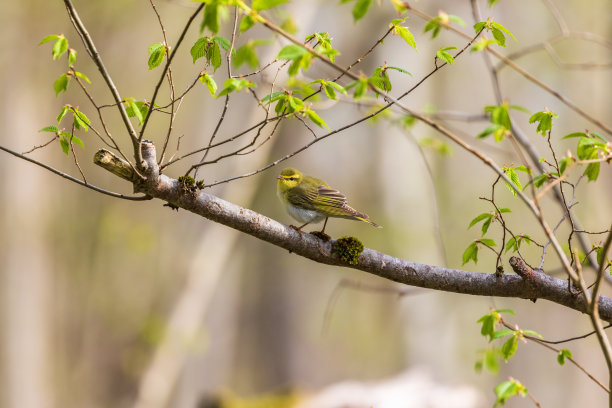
{"x":115,"y":165}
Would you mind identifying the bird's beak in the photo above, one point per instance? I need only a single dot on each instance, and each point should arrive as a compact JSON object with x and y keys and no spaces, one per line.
{"x":279,"y":178}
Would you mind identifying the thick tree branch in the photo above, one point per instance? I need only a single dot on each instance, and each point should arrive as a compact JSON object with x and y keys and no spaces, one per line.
{"x":525,"y":286}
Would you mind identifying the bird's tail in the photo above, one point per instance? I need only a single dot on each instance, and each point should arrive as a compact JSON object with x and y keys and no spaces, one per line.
{"x":369,"y":221}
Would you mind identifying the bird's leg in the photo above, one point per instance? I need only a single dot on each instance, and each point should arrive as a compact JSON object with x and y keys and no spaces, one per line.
{"x":299,"y":229}
{"x":324,"y":225}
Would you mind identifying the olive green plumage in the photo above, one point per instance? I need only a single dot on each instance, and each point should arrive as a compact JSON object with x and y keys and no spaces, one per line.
{"x":309,"y":199}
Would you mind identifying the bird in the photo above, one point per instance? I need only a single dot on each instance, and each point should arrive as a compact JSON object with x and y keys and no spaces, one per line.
{"x":309,"y":199}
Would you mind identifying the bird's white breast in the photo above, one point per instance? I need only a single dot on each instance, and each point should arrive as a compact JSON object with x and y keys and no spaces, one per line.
{"x":303,"y":215}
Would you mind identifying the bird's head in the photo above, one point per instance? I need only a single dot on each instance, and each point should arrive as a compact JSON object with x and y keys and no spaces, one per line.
{"x":288,"y":179}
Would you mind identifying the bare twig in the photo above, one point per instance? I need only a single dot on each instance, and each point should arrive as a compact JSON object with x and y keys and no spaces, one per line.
{"x":75,"y":180}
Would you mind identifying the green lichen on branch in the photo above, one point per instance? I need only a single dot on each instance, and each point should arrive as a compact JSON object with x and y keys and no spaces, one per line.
{"x":190,"y":184}
{"x":348,"y":249}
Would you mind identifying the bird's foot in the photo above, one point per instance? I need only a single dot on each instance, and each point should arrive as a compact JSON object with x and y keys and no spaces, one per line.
{"x":298,"y":229}
{"x":321,"y":235}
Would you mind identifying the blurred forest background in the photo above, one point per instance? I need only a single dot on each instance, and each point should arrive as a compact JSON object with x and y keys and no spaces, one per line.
{"x":91,"y":284}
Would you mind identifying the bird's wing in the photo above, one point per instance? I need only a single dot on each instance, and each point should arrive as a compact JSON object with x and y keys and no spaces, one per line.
{"x":330,"y":197}
{"x":303,"y":197}
{"x":322,"y":198}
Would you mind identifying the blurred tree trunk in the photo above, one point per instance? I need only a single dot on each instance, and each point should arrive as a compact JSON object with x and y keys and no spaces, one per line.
{"x":25,"y":270}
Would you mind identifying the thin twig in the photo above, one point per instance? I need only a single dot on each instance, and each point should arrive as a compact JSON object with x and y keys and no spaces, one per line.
{"x":75,"y":180}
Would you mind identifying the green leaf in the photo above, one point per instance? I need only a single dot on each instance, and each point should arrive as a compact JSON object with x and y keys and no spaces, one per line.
{"x":502,"y":28}
{"x":259,"y":5}
{"x":62,"y":113}
{"x":524,"y":169}
{"x":330,"y":92}
{"x":210,"y":83}
{"x":511,"y":244}
{"x":360,"y":88}
{"x":489,"y":321}
{"x":445,"y":56}
{"x":80,"y":120}
{"x":77,"y":141}
{"x":291,"y":52}
{"x":223,"y":42}
{"x":48,"y":38}
{"x":480,"y":218}
{"x":508,"y":389}
{"x":83,"y":76}
{"x":487,"y":241}
{"x":133,"y":110}
{"x":246,"y":23}
{"x":544,"y":120}
{"x":65,"y":145}
{"x":337,"y":87}
{"x":361,"y":8}
{"x":72,"y":55}
{"x":198,"y":50}
{"x":532,"y":333}
{"x":563,"y":163}
{"x":482,"y":44}
{"x":235,"y":85}
{"x":406,"y":35}
{"x":509,"y":347}
{"x":398,"y":69}
{"x":211,"y":17}
{"x":575,"y":134}
{"x":479,"y":26}
{"x":61,"y":84}
{"x":273,"y":97}
{"x":470,"y":253}
{"x":489,"y":131}
{"x":499,"y":36}
{"x":156,"y":55}
{"x":246,"y":55}
{"x":486,"y":225}
{"x":563,"y":354}
{"x":59,"y":47}
{"x":502,"y":333}
{"x":51,"y":128}
{"x":316,"y":119}
{"x":592,"y":171}
{"x":213,"y":55}
{"x":516,"y":182}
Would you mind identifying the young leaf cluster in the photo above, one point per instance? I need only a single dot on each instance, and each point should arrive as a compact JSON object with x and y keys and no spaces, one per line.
{"x":288,"y":103}
{"x":300,"y":58}
{"x":591,"y":146}
{"x":508,"y":389}
{"x":398,"y":29}
{"x":544,"y":120}
{"x":246,"y":54}
{"x":136,"y":109}
{"x":60,"y":46}
{"x":436,"y":24}
{"x":499,"y":31}
{"x":79,"y":121}
{"x":210,"y":47}
{"x":323,"y":45}
{"x":511,"y":173}
{"x":501,"y":125}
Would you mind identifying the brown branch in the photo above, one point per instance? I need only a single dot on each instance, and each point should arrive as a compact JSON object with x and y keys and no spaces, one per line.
{"x":539,"y":285}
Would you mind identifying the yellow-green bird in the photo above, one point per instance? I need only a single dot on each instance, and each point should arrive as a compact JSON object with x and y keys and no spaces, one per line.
{"x":309,"y":199}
